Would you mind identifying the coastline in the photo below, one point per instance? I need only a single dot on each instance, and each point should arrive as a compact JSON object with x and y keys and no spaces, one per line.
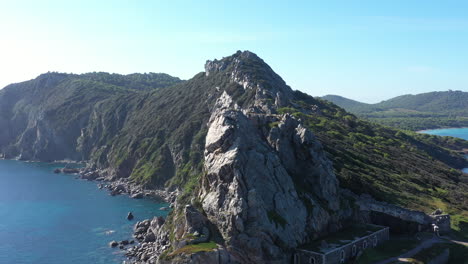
{"x":147,"y":233}
{"x":143,"y":241}
{"x":104,"y":179}
{"x":124,"y":186}
{"x":432,"y":129}
{"x":462,"y":151}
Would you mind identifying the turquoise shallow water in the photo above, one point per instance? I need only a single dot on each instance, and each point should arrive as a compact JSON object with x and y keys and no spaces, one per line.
{"x":453,"y":132}
{"x":48,"y":218}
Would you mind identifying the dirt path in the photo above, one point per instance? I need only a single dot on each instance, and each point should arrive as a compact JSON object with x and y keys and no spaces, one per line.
{"x":464,"y":243}
{"x":460,"y":242}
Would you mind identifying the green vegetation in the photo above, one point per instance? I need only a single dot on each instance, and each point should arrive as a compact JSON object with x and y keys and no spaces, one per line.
{"x":458,"y":254}
{"x":154,"y":129}
{"x":349,"y":104}
{"x":277,"y":218}
{"x":429,"y":253}
{"x":194,"y":248}
{"x":405,"y":168}
{"x":273,"y":124}
{"x":459,"y":223}
{"x":136,"y":81}
{"x":417,"y":123}
{"x":398,"y":246}
{"x":391,"y":248}
{"x":413,"y":112}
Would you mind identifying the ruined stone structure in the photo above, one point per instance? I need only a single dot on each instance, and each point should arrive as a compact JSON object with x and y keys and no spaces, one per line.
{"x":441,"y":220}
{"x":398,"y":219}
{"x":343,"y":253}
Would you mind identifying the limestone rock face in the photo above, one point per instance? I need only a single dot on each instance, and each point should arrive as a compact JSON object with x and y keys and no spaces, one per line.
{"x":242,"y":68}
{"x":267,"y":186}
{"x":193,"y":228}
{"x":301,"y":154}
{"x":249,"y":189}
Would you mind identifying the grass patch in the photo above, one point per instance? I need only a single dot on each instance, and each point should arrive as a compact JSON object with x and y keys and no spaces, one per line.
{"x":273,"y":124}
{"x":458,"y":254}
{"x":391,"y":248}
{"x":190,"y":249}
{"x":276,"y":218}
{"x":459,"y":224}
{"x":430,"y":253}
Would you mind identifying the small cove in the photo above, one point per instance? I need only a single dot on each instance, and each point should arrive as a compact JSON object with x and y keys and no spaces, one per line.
{"x":453,"y":132}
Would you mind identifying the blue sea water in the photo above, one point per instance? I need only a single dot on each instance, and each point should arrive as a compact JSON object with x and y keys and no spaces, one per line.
{"x":453,"y":132}
{"x":48,"y":218}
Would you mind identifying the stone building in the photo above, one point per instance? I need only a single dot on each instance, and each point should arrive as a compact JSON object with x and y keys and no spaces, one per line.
{"x":441,"y":220}
{"x":344,"y":250}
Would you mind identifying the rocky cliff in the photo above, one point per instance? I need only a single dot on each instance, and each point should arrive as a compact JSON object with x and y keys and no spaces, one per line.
{"x":266,"y":185}
{"x":43,"y":118}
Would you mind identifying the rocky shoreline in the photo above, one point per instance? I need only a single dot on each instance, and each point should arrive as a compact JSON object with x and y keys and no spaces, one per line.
{"x":148,"y":241}
{"x":149,"y":246}
{"x":124,"y":186}
{"x":152,"y":241}
{"x":116,"y":186}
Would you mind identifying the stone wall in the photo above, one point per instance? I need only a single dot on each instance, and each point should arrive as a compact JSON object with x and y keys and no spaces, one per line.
{"x":396,"y":224}
{"x":442,"y":221}
{"x":308,"y":257}
{"x":400,"y":220}
{"x":345,"y":253}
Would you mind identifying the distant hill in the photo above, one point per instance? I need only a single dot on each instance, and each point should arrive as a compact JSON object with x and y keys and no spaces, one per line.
{"x":348,"y":104}
{"x":413,"y":112}
{"x":448,"y":102}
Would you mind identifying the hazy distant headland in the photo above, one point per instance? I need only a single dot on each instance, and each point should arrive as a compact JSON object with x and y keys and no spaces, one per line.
{"x":413,"y":112}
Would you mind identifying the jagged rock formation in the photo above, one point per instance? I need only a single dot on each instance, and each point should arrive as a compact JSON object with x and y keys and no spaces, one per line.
{"x":250,"y":72}
{"x":246,"y":190}
{"x":249,"y":190}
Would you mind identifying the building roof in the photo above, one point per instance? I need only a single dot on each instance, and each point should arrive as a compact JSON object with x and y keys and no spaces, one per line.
{"x":341,"y":238}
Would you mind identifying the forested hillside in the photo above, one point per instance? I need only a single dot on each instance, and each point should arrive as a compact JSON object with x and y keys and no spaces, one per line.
{"x":413,"y":112}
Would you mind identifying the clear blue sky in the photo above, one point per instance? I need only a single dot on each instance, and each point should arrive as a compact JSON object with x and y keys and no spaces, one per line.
{"x":365,"y":50}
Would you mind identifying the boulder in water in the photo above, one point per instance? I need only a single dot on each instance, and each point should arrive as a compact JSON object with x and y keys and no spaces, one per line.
{"x":70,"y":170}
{"x":130,"y":216}
{"x":113,"y":244}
